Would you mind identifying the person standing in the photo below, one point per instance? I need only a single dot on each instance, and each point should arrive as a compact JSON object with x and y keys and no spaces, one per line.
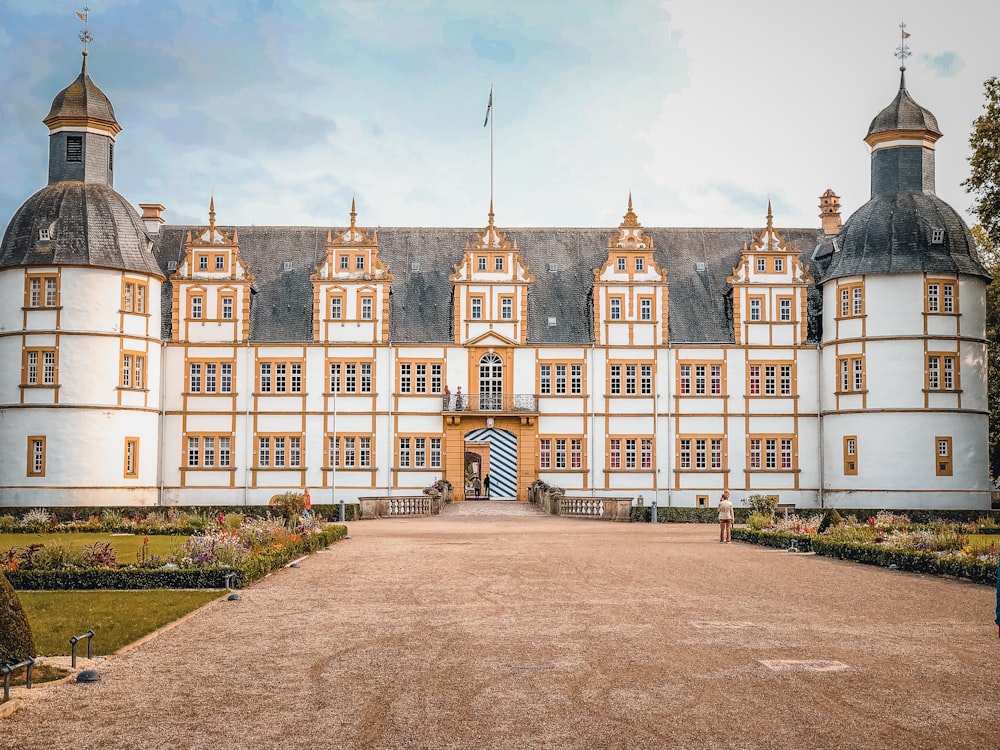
{"x":476,"y":486}
{"x":726,"y":517}
{"x":486,"y":486}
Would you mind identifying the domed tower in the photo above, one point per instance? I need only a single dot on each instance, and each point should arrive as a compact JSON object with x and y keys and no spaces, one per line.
{"x":904,"y":412}
{"x":80,"y":322}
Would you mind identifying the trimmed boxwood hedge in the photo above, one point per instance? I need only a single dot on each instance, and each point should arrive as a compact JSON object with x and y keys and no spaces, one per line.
{"x":252,"y":569}
{"x":916,"y":561}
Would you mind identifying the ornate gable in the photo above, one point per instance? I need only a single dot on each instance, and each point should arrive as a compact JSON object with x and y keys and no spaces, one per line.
{"x":351,"y":254}
{"x":768,"y":259}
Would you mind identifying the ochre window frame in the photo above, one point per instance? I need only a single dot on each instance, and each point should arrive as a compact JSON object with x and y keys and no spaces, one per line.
{"x":130,"y":472}
{"x":32,"y":441}
{"x":851,"y":455}
{"x":941,"y":283}
{"x":943,"y":462}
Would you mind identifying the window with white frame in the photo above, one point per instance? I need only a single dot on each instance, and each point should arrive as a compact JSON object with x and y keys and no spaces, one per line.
{"x":279,"y":451}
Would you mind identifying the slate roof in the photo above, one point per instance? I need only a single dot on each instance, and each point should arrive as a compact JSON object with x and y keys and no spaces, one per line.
{"x":90,"y":225}
{"x":82,"y":99}
{"x":892,"y":233}
{"x":903,"y":113}
{"x":421,"y":305}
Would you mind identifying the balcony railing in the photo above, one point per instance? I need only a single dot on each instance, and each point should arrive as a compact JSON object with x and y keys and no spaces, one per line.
{"x":490,"y":402}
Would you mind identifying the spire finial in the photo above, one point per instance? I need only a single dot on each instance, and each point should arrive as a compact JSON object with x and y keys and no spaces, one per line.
{"x":491,"y":212}
{"x":211,"y":212}
{"x":630,"y":219}
{"x":85,"y":36}
{"x":354,"y":212}
{"x":902,"y":52}
{"x":770,"y":215}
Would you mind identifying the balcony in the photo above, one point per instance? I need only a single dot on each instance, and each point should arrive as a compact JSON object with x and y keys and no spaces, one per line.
{"x":493,"y":403}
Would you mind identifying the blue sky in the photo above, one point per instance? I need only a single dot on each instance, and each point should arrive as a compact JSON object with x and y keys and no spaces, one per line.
{"x":285,"y":109}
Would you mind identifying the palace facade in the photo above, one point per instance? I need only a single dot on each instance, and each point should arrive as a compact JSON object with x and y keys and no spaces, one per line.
{"x":146,"y":364}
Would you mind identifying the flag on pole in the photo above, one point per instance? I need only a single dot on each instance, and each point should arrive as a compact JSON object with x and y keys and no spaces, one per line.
{"x":81,"y":16}
{"x":489,"y":107}
{"x":906,"y":35}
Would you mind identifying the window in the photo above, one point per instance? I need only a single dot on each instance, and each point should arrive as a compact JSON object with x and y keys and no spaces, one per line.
{"x":622,"y":265}
{"x":420,"y":377}
{"x":942,"y":370}
{"x":349,"y":377}
{"x":279,"y":451}
{"x":209,"y":451}
{"x":42,"y":291}
{"x":940,"y":297}
{"x":279,"y":377}
{"x":616,"y":308}
{"x":756,"y":306}
{"x":344,"y":263}
{"x":630,"y":453}
{"x":366,"y":308}
{"x":645,"y":309}
{"x":852,"y":300}
{"x":507,"y":308}
{"x":851,"y":369}
{"x":36,"y":456}
{"x":937,"y":236}
{"x":498,"y":263}
{"x":197,"y":307}
{"x":359,"y":263}
{"x":639,"y":265}
{"x":111,"y":156}
{"x":349,"y":451}
{"x":851,"y":455}
{"x":134,"y":294}
{"x":220,"y":262}
{"x":203,"y":263}
{"x":477,"y":308}
{"x":697,"y":453}
{"x":761,"y":265}
{"x":701,"y":501}
{"x":39,"y":367}
{"x":419,"y":452}
{"x":133,"y":370}
{"x":769,"y":379}
{"x":74,"y":148}
{"x":336,"y":308}
{"x":784,"y":309}
{"x":131,"y":457}
{"x":943,"y":466}
{"x":771,"y":453}
{"x":631,"y":380}
{"x":481,"y":265}
{"x":779,"y":265}
{"x":227,"y":308}
{"x":43,"y":235}
{"x":560,"y":379}
{"x":699,"y":379}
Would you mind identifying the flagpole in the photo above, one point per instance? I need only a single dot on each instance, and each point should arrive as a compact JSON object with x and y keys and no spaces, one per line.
{"x":491,"y":145}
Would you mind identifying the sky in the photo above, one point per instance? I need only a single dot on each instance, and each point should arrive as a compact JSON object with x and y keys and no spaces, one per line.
{"x":285,"y":110}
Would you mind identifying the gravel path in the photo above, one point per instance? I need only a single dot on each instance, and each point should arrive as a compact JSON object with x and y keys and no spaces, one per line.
{"x":488,"y":628}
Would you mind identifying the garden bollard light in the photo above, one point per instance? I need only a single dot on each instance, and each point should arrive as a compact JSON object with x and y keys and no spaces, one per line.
{"x":652,"y":512}
{"x":340,"y":511}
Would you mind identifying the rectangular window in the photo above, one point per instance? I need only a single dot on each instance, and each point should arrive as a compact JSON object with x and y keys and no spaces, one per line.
{"x":209,"y":450}
{"x":640,"y":264}
{"x":762,"y":265}
{"x":279,"y":451}
{"x":779,"y":265}
{"x":756,"y":305}
{"x":852,"y":300}
{"x":851,"y":455}
{"x":560,"y":453}
{"x":498,"y":263}
{"x":700,"y":453}
{"x":133,"y":370}
{"x":280,"y":377}
{"x":615,"y":380}
{"x":366,"y":308}
{"x":646,"y":380}
{"x":684,"y":380}
{"x":481,"y":263}
{"x":420,"y":452}
{"x":771,"y":453}
{"x":645,"y":309}
{"x":616,"y":308}
{"x":359,"y":263}
{"x":576,"y":453}
{"x":477,"y":308}
{"x":630,"y":453}
{"x":36,"y":456}
{"x":131,"y":457}
{"x":227,"y":308}
{"x":264,"y":451}
{"x":576,"y":379}
{"x":203,"y":263}
{"x":943,"y":467}
{"x":418,"y":377}
{"x":784,"y":309}
{"x":345,"y":263}
{"x":404,"y":453}
{"x":336,"y":308}
{"x":220,"y":262}
{"x":545,"y":453}
{"x":134,"y":297}
{"x":42,"y":291}
{"x":197,"y":308}
{"x":39,"y":367}
{"x":716,"y":380}
{"x":545,"y":379}
{"x":74,"y":148}
{"x":940,"y":297}
{"x":506,"y":308}
{"x":851,"y":373}
{"x":770,"y":379}
{"x":646,"y":453}
{"x":193,"y":452}
{"x":561,"y":379}
{"x":435,"y":444}
{"x":622,"y":264}
{"x":615,"y":453}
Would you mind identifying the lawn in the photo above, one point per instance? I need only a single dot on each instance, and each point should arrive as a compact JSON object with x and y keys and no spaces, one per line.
{"x":126,"y":545}
{"x":116,"y":617}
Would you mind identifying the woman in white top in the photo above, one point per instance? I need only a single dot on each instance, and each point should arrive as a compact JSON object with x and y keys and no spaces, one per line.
{"x":726,"y":517}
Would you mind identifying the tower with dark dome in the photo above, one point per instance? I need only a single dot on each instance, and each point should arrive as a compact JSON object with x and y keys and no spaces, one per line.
{"x":903,"y":392}
{"x":80,"y":306}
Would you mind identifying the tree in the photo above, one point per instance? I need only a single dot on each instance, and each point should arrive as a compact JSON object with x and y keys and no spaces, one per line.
{"x":16,"y":641}
{"x":984,"y":180}
{"x":989,"y":256}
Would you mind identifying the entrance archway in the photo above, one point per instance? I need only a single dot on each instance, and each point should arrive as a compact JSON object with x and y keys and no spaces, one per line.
{"x":502,"y":460}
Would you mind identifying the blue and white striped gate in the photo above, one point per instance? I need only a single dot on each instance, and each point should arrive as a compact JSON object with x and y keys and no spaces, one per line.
{"x":503,"y":460}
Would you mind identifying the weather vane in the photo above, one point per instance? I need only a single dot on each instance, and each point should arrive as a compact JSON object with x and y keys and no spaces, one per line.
{"x":85,"y":36}
{"x":903,"y":52}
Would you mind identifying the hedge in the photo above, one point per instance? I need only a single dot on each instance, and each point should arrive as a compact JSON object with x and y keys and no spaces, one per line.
{"x":252,"y":569}
{"x":916,"y":561}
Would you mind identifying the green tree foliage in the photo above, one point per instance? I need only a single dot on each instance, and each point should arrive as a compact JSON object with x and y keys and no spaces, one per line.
{"x":16,"y":641}
{"x":990,"y":258}
{"x":984,"y":179}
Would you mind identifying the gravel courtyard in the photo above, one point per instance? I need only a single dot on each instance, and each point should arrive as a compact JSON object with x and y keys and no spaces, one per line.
{"x":491,"y":627}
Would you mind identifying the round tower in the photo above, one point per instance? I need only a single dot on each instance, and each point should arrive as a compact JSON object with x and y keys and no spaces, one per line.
{"x":903,"y":397}
{"x":80,"y":334}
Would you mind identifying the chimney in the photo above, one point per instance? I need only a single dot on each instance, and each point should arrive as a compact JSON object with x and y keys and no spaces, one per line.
{"x":152,"y":219}
{"x":829,"y":212}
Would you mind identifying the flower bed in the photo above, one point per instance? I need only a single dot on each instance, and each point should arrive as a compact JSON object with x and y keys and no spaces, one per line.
{"x":245,"y":554}
{"x":886,"y":539}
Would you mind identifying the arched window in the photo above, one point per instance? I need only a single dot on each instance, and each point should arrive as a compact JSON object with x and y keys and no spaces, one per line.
{"x":490,"y":382}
